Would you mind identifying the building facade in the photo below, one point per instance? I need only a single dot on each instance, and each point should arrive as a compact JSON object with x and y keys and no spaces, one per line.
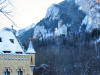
{"x":98,"y":1}
{"x":13,"y":59}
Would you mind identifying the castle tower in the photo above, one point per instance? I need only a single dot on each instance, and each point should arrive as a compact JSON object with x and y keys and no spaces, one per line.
{"x":31,"y":51}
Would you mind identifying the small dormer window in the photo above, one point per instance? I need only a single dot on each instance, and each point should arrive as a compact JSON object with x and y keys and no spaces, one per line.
{"x":12,"y":40}
{"x":18,"y":52}
{"x":0,"y":39}
{"x":7,"y":51}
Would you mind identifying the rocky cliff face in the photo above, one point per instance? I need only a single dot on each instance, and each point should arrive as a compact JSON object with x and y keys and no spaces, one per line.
{"x":26,"y":33}
{"x":60,"y":19}
{"x":92,"y":10}
{"x":69,"y":16}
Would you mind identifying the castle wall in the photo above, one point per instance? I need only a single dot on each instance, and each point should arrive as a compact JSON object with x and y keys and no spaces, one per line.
{"x":16,"y":62}
{"x":98,"y":1}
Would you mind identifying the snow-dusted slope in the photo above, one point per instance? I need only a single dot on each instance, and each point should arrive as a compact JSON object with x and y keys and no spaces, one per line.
{"x":53,"y":12}
{"x":69,"y":16}
{"x":66,"y":13}
{"x":22,"y":31}
{"x":60,"y":19}
{"x":25,"y":34}
{"x":66,"y":17}
{"x":92,"y":8}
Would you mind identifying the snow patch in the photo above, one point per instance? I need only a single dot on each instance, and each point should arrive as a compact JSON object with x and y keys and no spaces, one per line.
{"x":52,"y":12}
{"x":20,"y":32}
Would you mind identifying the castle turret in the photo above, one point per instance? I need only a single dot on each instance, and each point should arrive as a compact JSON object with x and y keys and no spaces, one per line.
{"x":30,"y":49}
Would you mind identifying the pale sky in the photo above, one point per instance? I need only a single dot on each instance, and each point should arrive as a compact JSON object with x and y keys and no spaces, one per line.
{"x":26,"y":12}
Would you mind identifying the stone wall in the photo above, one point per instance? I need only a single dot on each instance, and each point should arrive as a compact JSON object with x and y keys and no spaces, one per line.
{"x":98,"y":1}
{"x":16,"y":62}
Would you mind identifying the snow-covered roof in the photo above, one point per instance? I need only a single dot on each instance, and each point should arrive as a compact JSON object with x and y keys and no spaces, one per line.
{"x":9,"y":42}
{"x":30,"y":48}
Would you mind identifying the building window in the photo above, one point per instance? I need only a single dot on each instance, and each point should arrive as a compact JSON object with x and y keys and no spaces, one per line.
{"x":20,"y":72}
{"x":31,"y":61}
{"x":18,"y":52}
{"x":12,"y":40}
{"x":0,"y":39}
{"x":7,"y":72}
{"x":7,"y":51}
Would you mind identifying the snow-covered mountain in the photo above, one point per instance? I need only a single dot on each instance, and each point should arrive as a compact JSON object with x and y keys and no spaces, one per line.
{"x":60,"y":19}
{"x":92,"y":10}
{"x":22,"y":31}
{"x":69,"y":16}
{"x":26,"y":33}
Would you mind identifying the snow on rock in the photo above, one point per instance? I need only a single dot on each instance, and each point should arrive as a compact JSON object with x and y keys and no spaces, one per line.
{"x":40,"y":31}
{"x":93,"y":20}
{"x":53,"y":12}
{"x":83,"y":4}
{"x":60,"y":31}
{"x":66,"y":11}
{"x":92,"y":8}
{"x":20,"y":32}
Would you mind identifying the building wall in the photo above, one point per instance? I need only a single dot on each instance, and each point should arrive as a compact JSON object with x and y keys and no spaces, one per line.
{"x":98,"y":1}
{"x":16,"y":62}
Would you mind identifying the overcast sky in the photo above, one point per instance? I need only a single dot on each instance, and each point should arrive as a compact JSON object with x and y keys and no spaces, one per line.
{"x":27,"y":12}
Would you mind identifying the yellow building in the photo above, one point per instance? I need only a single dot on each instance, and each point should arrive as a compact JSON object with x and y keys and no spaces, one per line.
{"x":13,"y":59}
{"x":98,"y":1}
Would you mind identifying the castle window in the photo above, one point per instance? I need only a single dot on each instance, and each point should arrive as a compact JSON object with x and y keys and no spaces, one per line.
{"x":20,"y":72}
{"x":12,"y":40}
{"x":6,"y":72}
{"x":18,"y":52}
{"x":7,"y":51}
{"x":31,"y":61}
{"x":0,"y":39}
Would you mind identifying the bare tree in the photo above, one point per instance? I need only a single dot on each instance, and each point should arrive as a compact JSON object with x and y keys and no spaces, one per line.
{"x":3,"y":6}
